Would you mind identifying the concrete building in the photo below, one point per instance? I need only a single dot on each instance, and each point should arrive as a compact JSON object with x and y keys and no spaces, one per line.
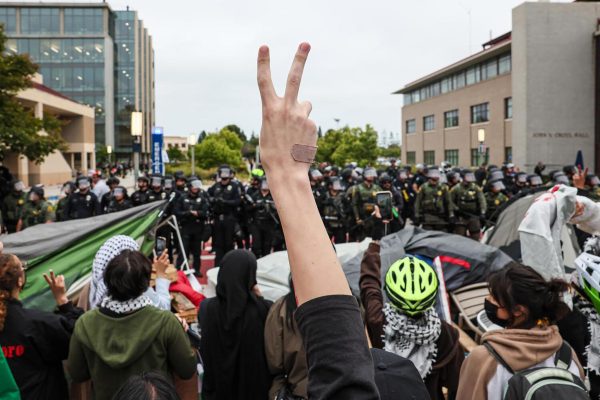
{"x":78,"y":133}
{"x":93,"y":55}
{"x":179,"y":142}
{"x":543,"y":72}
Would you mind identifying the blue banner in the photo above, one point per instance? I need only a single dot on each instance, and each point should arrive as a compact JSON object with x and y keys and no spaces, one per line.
{"x":158,"y":167}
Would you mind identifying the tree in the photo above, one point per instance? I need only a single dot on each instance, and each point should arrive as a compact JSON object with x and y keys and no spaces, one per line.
{"x":237,"y":130}
{"x":345,"y":145}
{"x":392,"y":151}
{"x":224,"y":147}
{"x":19,"y":128}
{"x":175,"y":154}
{"x":202,"y":136}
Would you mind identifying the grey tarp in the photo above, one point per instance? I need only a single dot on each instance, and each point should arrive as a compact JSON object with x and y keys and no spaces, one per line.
{"x":464,"y":261}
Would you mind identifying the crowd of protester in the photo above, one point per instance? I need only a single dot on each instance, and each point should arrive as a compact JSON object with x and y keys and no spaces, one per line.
{"x":319,"y":341}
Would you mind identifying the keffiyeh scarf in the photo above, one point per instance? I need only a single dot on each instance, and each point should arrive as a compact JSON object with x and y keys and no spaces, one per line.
{"x":126,"y":307}
{"x":593,"y":318}
{"x":415,"y":339}
{"x":109,"y":250}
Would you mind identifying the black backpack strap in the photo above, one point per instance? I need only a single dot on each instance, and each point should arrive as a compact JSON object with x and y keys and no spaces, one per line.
{"x":498,"y":358}
{"x":563,"y":356}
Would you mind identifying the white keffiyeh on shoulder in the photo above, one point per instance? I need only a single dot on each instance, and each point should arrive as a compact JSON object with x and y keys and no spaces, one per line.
{"x":415,"y":339}
{"x":109,"y":250}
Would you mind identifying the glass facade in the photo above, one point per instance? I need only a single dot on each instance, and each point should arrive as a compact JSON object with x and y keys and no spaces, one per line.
{"x":469,"y":76}
{"x":84,"y":21}
{"x":125,"y":24}
{"x":8,"y":18}
{"x":450,"y":119}
{"x":40,"y":20}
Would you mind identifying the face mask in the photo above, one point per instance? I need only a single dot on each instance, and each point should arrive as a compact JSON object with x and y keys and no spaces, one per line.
{"x":491,"y":310}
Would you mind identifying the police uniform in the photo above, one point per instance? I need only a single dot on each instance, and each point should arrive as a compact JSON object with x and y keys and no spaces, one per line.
{"x":494,"y":202}
{"x":114,"y":205}
{"x":334,"y":216}
{"x":140,"y":197}
{"x":35,"y":213}
{"x":60,"y":209}
{"x":363,"y":205}
{"x":11,"y":210}
{"x":81,"y":205}
{"x":264,"y":225}
{"x":469,"y":206}
{"x":193,"y":227}
{"x":432,"y":206}
{"x":226,"y":200}
{"x":154,"y":195}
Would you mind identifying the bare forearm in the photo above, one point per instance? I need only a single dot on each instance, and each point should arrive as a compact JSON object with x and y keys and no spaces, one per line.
{"x":309,"y":247}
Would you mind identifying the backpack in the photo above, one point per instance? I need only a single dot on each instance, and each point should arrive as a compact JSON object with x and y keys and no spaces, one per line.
{"x":556,"y":383}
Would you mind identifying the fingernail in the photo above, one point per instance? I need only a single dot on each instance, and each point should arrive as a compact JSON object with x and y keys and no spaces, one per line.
{"x":304,"y":46}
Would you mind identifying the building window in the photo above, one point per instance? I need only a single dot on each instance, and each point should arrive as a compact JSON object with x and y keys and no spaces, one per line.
{"x":473,"y":75}
{"x":478,"y":158}
{"x":490,"y":69}
{"x":508,"y":108}
{"x":451,"y":119}
{"x":40,"y":20}
{"x":407,"y":99}
{"x":428,"y":123}
{"x":451,"y":156}
{"x":504,"y":64}
{"x":411,"y":157}
{"x":8,"y":18}
{"x":446,"y":85}
{"x":480,"y":113}
{"x":508,"y":154}
{"x":84,"y":20}
{"x":429,"y":157}
{"x":411,"y":126}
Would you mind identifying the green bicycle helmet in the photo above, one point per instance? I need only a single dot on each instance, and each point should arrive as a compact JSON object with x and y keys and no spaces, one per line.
{"x":411,"y":285}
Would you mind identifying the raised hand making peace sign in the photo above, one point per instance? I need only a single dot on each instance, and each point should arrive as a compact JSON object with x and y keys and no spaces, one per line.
{"x":287,"y":138}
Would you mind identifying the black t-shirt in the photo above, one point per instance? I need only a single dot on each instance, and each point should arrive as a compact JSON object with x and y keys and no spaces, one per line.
{"x":339,"y":362}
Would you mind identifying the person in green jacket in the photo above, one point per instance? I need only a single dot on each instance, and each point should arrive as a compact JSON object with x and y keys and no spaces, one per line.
{"x":469,"y":206}
{"x":126,"y":335}
{"x":12,"y":205}
{"x":432,"y":205}
{"x":36,"y":210}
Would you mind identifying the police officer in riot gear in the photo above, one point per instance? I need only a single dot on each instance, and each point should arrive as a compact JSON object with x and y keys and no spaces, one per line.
{"x":168,"y":185}
{"x":36,"y":210}
{"x":83,"y":203}
{"x":112,"y":183}
{"x":396,"y":223}
{"x":191,"y":210}
{"x":226,"y":198}
{"x":432,"y":205}
{"x":468,"y":202}
{"x":180,"y":182}
{"x":12,"y":205}
{"x":141,"y":195}
{"x":119,"y":200}
{"x":68,"y":188}
{"x":156,"y":192}
{"x":264,"y":220}
{"x":333,"y":211}
{"x":495,"y":199}
{"x":363,"y":204}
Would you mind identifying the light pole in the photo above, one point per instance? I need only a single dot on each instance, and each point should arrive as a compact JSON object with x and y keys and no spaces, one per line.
{"x":136,"y":132}
{"x":109,"y":152}
{"x":481,"y":139}
{"x":192,"y":140}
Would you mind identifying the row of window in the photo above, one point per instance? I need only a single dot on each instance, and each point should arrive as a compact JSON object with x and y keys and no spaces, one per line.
{"x":67,"y":79}
{"x":451,"y":155}
{"x":46,"y":20}
{"x":479,"y":113}
{"x":63,"y":51}
{"x":480,"y":72}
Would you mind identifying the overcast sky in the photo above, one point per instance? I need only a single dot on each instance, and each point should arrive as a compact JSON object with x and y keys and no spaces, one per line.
{"x":205,"y":54}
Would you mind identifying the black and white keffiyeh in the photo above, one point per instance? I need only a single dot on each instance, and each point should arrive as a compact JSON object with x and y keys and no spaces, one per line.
{"x":109,"y":250}
{"x":126,"y":307}
{"x":593,"y":319}
{"x":415,"y":339}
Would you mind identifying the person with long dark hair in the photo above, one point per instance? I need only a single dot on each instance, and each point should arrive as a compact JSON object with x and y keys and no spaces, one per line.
{"x":232,"y":326}
{"x":35,"y":342}
{"x":527,"y":307}
{"x":285,"y":352}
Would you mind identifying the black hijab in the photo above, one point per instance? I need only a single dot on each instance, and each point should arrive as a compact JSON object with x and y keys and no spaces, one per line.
{"x":232,"y":328}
